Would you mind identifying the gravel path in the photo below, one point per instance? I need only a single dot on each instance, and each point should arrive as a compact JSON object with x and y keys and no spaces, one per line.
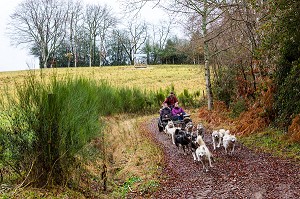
{"x":245,"y":174}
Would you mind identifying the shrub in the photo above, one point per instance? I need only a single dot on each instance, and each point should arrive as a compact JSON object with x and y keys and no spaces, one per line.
{"x":287,"y":104}
{"x":294,"y":129}
{"x":224,"y":86}
{"x":238,"y":107}
{"x":47,"y":125}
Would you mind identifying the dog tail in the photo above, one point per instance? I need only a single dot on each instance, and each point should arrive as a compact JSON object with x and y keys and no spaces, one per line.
{"x":200,"y":140}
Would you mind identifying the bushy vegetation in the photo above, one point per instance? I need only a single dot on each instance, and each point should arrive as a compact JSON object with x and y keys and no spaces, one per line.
{"x":282,"y":43}
{"x":287,"y":76}
{"x":272,"y":141}
{"x":46,"y":125}
{"x":287,"y":104}
{"x":224,"y":85}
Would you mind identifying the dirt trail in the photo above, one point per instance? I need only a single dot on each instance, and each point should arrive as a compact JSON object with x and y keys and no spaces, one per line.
{"x":245,"y":174}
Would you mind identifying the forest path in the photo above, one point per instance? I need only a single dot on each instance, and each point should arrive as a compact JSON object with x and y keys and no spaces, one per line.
{"x":245,"y":174}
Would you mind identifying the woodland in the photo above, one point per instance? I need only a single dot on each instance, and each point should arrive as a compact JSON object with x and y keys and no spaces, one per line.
{"x":56,"y":130}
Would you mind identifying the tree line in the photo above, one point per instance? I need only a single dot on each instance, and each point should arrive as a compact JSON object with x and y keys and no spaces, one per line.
{"x":69,"y":33}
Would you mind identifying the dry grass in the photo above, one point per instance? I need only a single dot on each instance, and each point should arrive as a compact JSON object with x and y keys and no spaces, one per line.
{"x":130,"y":153}
{"x":188,"y":77}
{"x":217,"y":118}
{"x":294,"y":129}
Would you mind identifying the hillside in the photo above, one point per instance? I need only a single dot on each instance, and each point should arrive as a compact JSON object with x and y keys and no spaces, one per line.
{"x":135,"y":159}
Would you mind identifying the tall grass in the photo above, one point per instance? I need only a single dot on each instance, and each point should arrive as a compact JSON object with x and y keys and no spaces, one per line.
{"x":46,"y":125}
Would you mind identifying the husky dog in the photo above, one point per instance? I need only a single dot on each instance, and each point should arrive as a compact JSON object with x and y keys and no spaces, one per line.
{"x":189,"y":127}
{"x":194,"y":144}
{"x":202,"y":154}
{"x":170,"y":130}
{"x":216,"y":139}
{"x":229,"y":143}
{"x":200,"y":130}
{"x":182,"y":138}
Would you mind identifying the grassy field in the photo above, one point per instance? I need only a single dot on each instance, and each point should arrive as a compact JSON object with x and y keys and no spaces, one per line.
{"x":127,"y":148}
{"x":190,"y":77}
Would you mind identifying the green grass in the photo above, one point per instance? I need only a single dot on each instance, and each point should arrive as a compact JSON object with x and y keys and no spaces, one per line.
{"x":273,"y":141}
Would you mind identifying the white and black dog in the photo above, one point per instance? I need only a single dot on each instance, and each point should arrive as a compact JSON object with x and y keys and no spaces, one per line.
{"x":229,"y":143}
{"x":202,"y":154}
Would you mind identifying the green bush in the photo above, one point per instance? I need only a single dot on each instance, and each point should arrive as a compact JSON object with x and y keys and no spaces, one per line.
{"x":287,"y":103}
{"x":224,"y":86}
{"x":238,"y":107}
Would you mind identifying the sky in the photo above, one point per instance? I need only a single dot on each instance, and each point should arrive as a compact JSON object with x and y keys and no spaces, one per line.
{"x":14,"y":58}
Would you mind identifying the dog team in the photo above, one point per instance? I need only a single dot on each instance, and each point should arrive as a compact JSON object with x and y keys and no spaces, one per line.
{"x":191,"y":138}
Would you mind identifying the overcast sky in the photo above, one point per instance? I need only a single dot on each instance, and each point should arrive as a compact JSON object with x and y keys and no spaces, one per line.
{"x":18,"y":58}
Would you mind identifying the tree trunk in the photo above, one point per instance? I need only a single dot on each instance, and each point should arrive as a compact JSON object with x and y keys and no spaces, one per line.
{"x":206,"y":57}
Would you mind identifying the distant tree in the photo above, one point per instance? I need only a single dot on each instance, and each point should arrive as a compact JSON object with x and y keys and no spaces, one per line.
{"x":170,"y":53}
{"x":108,"y":22}
{"x":92,"y":20}
{"x":132,"y":38}
{"x":74,"y":19}
{"x":41,"y":25}
{"x":156,"y":41}
{"x":116,"y":52}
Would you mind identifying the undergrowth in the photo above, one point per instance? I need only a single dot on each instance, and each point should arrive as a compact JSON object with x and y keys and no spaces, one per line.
{"x":272,"y":141}
{"x":253,"y":129}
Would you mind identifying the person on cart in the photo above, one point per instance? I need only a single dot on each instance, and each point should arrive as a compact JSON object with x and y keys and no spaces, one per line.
{"x":165,"y":112}
{"x":177,"y":112}
{"x":171,"y":100}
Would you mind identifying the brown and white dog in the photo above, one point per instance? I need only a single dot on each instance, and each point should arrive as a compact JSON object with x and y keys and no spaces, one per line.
{"x":229,"y":143}
{"x":202,"y":154}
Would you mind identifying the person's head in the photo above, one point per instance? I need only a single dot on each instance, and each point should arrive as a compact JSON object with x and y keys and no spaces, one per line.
{"x":176,"y":104}
{"x":165,"y":105}
{"x":172,"y":94}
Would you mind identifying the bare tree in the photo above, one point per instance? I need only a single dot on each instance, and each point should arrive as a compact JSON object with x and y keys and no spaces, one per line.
{"x":108,"y":21}
{"x":40,"y":24}
{"x":75,"y":16}
{"x":237,"y":44}
{"x":158,"y":38}
{"x":210,"y":11}
{"x":93,"y":17}
{"x":133,"y":38}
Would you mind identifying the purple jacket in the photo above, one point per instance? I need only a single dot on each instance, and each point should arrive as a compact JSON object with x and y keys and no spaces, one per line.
{"x":177,"y":110}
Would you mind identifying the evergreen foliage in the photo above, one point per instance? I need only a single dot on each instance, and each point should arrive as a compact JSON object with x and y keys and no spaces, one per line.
{"x":287,"y":34}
